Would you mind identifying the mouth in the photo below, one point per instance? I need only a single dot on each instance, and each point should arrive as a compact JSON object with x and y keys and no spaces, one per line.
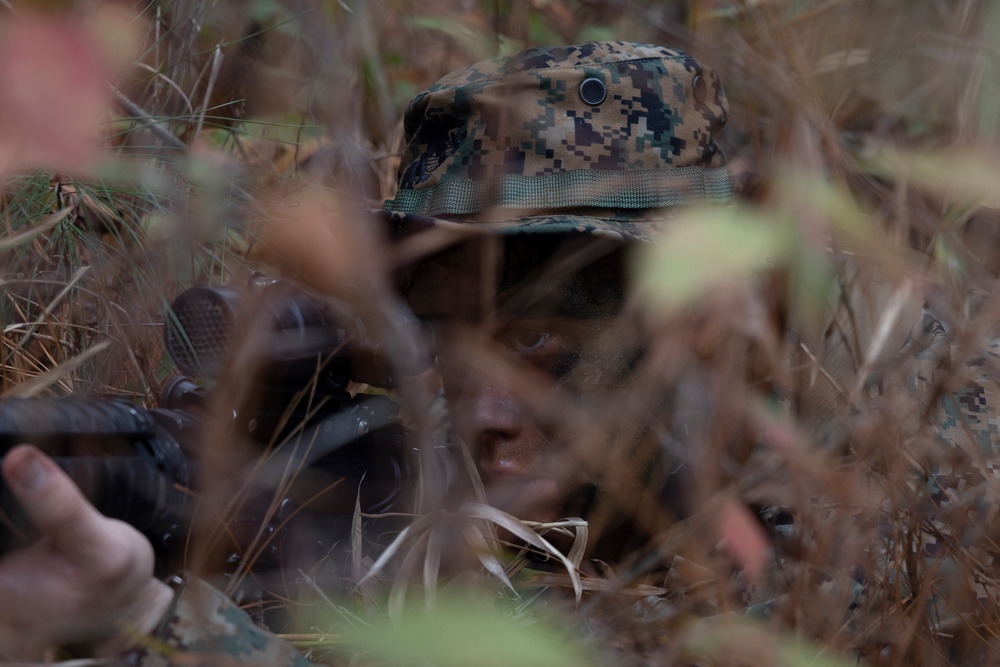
{"x":538,"y":498}
{"x":527,"y":497}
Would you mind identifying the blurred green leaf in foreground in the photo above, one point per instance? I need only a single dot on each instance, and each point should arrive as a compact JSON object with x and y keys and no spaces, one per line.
{"x":463,"y":631}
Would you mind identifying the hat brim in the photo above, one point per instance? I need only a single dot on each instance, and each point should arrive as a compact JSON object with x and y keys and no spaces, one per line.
{"x":623,"y":228}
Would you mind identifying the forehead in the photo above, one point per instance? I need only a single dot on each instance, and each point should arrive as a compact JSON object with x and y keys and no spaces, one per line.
{"x":529,"y":275}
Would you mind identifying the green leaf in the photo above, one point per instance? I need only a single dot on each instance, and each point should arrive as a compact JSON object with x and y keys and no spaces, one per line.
{"x":839,"y":209}
{"x":596,"y":33}
{"x":812,"y":276}
{"x":539,"y":30}
{"x":509,"y":46}
{"x":966,"y":174}
{"x":461,"y":632}
{"x":707,"y":249}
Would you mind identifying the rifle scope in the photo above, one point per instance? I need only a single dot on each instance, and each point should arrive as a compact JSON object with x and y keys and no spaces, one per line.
{"x":143,"y":466}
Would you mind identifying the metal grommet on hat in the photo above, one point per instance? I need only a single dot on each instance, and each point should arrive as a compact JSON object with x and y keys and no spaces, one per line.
{"x":700,"y":89}
{"x":593,"y":91}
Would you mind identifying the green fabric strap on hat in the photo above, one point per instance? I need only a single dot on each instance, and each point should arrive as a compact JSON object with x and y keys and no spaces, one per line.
{"x":638,"y":189}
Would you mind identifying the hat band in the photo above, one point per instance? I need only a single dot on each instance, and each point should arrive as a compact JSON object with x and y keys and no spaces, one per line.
{"x":637,"y":189}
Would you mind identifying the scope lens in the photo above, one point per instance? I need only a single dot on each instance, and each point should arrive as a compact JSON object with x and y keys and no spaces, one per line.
{"x":199,"y":331}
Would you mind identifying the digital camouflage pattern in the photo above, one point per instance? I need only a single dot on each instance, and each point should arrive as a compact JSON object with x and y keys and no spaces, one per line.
{"x":611,"y":130}
{"x":871,"y":566}
{"x":205,"y":628}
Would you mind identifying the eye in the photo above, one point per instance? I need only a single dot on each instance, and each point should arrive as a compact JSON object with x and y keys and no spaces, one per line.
{"x":552,"y":350}
{"x":528,"y":341}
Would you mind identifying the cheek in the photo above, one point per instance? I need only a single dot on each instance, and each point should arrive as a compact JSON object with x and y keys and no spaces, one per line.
{"x":559,"y":366}
{"x":456,"y":379}
{"x":458,"y":399}
{"x":465,"y":390}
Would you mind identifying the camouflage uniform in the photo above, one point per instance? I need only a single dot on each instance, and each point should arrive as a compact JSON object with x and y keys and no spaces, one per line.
{"x":204,"y":627}
{"x":604,"y":138}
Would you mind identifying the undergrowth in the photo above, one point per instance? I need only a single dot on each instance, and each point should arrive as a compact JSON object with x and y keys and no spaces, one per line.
{"x":237,"y":137}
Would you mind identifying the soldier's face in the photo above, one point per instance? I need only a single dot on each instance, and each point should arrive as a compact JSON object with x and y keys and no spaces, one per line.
{"x":526,"y":354}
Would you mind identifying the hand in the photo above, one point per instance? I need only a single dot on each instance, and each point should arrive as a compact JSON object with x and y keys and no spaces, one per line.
{"x":87,"y":582}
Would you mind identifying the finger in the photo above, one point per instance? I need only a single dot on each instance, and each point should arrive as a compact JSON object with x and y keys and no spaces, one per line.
{"x":52,"y":501}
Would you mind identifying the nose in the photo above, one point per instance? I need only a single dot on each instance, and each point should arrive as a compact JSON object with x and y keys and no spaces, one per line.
{"x":493,"y":420}
{"x":495,"y":411}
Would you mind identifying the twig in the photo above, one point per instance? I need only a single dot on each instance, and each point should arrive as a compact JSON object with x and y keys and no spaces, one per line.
{"x":213,"y":75}
{"x":170,"y":82}
{"x":352,"y":619}
{"x":155,"y":125}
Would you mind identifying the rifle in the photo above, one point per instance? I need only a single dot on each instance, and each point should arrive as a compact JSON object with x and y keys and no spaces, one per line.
{"x":348,"y":453}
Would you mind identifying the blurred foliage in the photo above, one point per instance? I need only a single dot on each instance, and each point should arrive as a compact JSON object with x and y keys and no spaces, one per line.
{"x":459,"y":631}
{"x":179,"y":129}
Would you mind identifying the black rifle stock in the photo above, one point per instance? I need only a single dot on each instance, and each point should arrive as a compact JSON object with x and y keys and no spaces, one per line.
{"x":119,"y":455}
{"x":142,"y":466}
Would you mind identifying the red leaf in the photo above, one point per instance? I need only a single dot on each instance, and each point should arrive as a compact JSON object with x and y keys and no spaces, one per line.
{"x":744,"y":539}
{"x":53,"y":95}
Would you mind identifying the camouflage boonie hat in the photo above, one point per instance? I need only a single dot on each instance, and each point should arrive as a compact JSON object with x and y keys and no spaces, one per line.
{"x":599,"y":137}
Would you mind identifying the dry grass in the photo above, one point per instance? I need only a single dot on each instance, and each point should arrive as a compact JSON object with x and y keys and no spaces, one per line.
{"x":864,"y":136}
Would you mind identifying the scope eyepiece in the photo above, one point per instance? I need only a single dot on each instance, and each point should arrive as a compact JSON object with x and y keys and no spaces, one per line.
{"x":205,"y":324}
{"x":291,"y":329}
{"x":200,"y":329}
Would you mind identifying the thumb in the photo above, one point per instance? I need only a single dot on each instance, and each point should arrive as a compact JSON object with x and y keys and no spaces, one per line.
{"x":51,"y":500}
